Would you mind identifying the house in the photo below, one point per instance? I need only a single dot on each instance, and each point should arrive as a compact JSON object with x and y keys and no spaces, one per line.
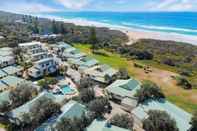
{"x":6,"y":57}
{"x":128,"y":104}
{"x":4,"y":97}
{"x":75,"y":54}
{"x":121,"y":89}
{"x":3,"y":87}
{"x":98,"y":73}
{"x":13,"y":70}
{"x":83,"y":63}
{"x":70,"y":110}
{"x":181,"y":117}
{"x":46,"y":65}
{"x":102,"y":125}
{"x":30,"y":45}
{"x":17,"y":113}
{"x":12,"y":81}
{"x":2,"y":74}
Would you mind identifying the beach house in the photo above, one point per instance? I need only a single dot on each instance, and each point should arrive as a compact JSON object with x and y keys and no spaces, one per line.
{"x":42,"y":67}
{"x":6,"y":57}
{"x":123,"y":92}
{"x":18,"y":112}
{"x":181,"y":117}
{"x":121,"y":89}
{"x":102,"y":125}
{"x":99,"y":73}
{"x":83,"y":63}
{"x":70,"y":110}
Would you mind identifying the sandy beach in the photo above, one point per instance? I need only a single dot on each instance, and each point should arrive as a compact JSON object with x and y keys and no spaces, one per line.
{"x":133,"y":34}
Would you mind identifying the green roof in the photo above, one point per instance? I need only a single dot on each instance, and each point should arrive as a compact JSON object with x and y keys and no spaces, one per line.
{"x":124,"y":88}
{"x":10,"y":70}
{"x":12,"y":81}
{"x":2,"y":73}
{"x":181,"y":117}
{"x":18,"y":112}
{"x":3,"y":86}
{"x":4,"y":96}
{"x":101,"y":125}
{"x":72,"y":109}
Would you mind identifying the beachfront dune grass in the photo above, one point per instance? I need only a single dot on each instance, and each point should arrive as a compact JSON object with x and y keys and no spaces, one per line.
{"x":186,"y":99}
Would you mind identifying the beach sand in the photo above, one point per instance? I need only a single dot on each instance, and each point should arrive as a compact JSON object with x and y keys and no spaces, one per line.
{"x":133,"y":34}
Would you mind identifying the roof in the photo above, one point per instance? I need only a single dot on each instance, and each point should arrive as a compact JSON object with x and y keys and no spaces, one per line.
{"x":4,"y":96}
{"x":17,"y":113}
{"x":72,"y":109}
{"x":30,"y":43}
{"x":45,"y":60}
{"x":3,"y":86}
{"x":2,"y":73}
{"x":12,"y":81}
{"x":10,"y":70}
{"x":99,"y":72}
{"x":129,"y":101}
{"x":101,"y":125}
{"x":124,"y":88}
{"x":63,"y":45}
{"x":175,"y":112}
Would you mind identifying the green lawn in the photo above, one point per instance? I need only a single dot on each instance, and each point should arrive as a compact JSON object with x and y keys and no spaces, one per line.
{"x":116,"y":61}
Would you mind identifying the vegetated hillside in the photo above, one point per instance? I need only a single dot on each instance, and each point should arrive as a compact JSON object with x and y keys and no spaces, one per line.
{"x":19,"y":28}
{"x":180,"y":56}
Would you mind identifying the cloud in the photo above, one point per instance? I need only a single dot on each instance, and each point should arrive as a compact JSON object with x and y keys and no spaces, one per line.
{"x":25,"y":7}
{"x":74,"y":4}
{"x":174,"y":5}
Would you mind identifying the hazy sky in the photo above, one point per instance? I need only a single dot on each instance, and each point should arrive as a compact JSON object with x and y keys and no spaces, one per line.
{"x":36,"y":6}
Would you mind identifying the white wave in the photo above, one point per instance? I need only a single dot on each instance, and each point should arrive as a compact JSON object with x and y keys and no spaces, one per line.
{"x":160,"y":27}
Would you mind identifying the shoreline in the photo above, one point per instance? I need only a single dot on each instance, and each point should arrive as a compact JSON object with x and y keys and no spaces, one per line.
{"x":133,"y":33}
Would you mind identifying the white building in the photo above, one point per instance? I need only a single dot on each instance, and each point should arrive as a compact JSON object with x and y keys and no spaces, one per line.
{"x":6,"y":57}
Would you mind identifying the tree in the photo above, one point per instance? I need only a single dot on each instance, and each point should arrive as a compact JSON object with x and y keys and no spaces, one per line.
{"x":159,"y":121}
{"x":87,"y":95}
{"x":85,"y":82}
{"x":100,"y":106}
{"x":4,"y":106}
{"x":123,"y":120}
{"x":123,"y":73}
{"x":22,"y":93}
{"x":149,"y":90}
{"x":47,"y":81}
{"x":183,"y":82}
{"x":93,"y":38}
{"x":75,"y":124}
{"x":43,"y":109}
{"x":194,"y":122}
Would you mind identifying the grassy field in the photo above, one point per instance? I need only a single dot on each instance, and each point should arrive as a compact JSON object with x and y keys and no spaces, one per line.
{"x":186,"y":99}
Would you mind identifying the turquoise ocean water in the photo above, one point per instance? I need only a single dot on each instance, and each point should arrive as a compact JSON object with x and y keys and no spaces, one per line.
{"x":175,"y":22}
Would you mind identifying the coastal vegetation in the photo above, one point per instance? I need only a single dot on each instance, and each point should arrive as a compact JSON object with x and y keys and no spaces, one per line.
{"x":149,"y":90}
{"x":181,"y":97}
{"x":159,"y":121}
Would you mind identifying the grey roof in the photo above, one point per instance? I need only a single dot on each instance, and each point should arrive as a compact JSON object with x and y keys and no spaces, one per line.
{"x":12,"y":81}
{"x":4,"y":97}
{"x":129,"y":101}
{"x":101,"y":125}
{"x":18,"y":112}
{"x":2,"y":73}
{"x":124,"y":88}
{"x":181,"y":117}
{"x":3,"y":86}
{"x":10,"y":70}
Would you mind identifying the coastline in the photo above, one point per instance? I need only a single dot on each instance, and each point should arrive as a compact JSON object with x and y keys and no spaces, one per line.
{"x":133,"y":33}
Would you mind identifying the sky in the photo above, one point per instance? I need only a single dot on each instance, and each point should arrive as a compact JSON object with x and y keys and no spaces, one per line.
{"x":40,"y":6}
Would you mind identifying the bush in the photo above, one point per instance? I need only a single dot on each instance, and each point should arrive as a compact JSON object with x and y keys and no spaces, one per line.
{"x":159,"y":121}
{"x":123,"y":121}
{"x":100,"y":106}
{"x":183,"y":82}
{"x":149,"y":90}
{"x":87,"y":95}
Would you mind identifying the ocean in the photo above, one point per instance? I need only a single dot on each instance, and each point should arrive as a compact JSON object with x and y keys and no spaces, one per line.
{"x":174,"y":22}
